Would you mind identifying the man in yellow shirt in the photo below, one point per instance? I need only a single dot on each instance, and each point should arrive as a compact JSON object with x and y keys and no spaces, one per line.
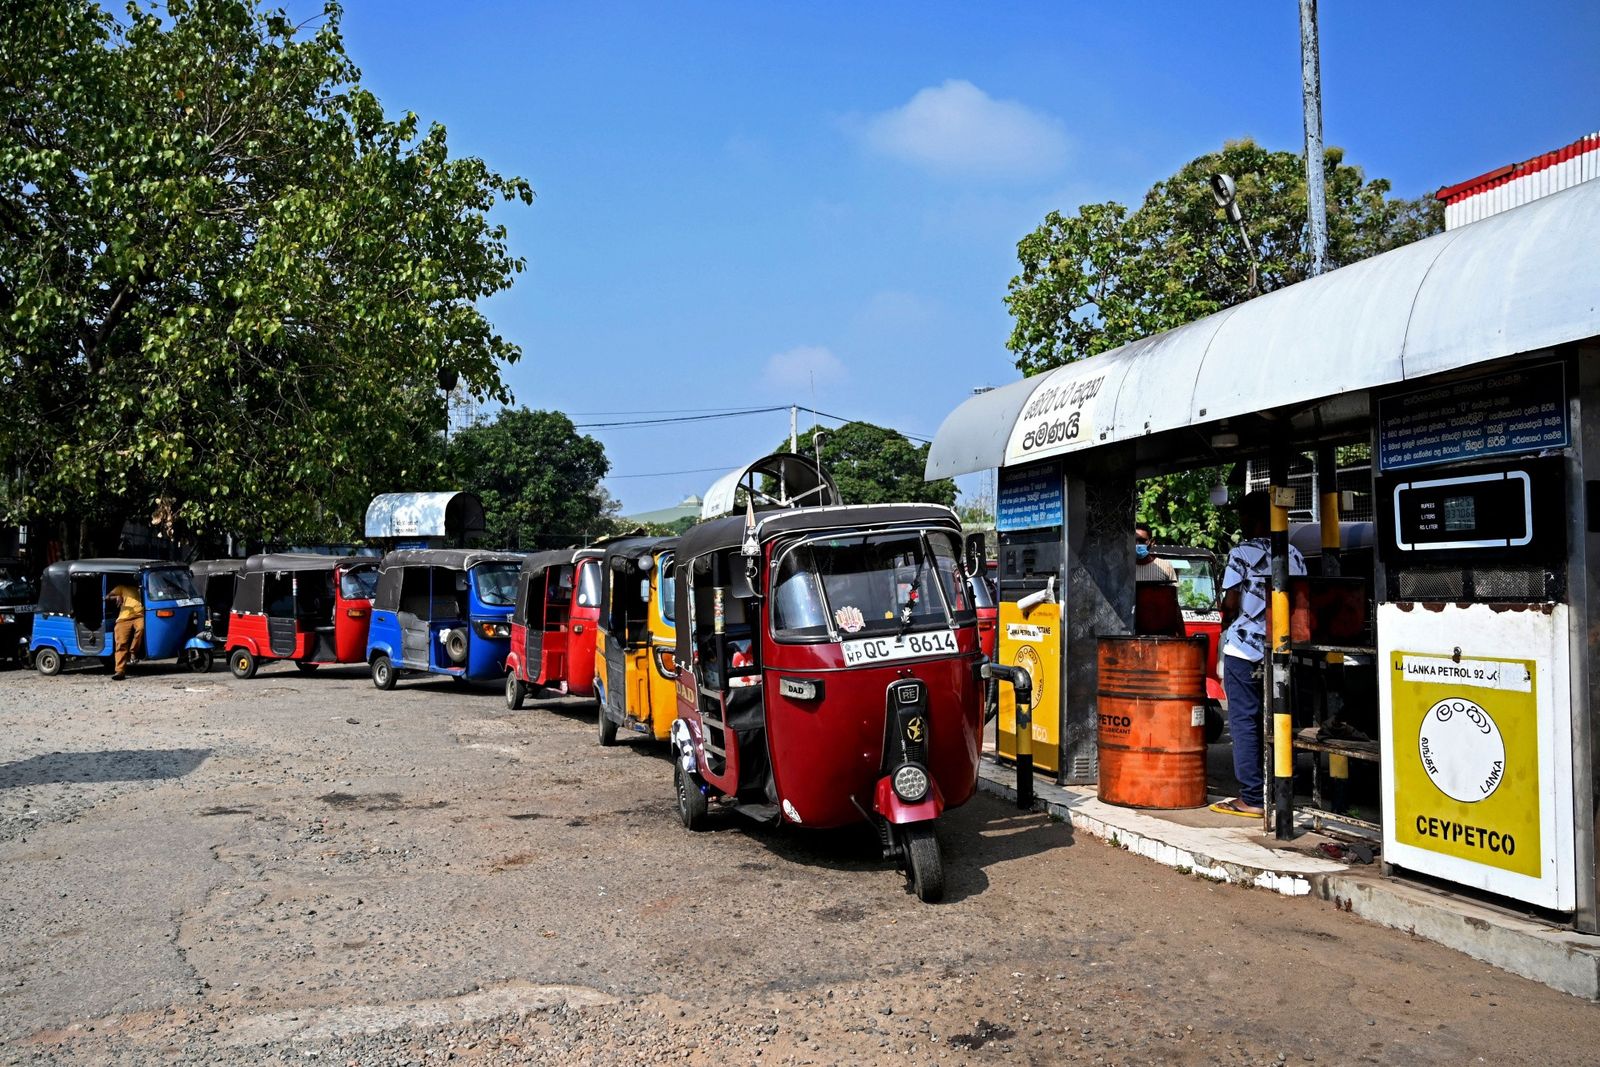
{"x":125,"y":597}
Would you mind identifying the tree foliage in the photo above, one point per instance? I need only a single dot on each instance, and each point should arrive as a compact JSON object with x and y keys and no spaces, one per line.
{"x":539,"y":479}
{"x":228,"y":282}
{"x":873,"y":464}
{"x":1104,"y":276}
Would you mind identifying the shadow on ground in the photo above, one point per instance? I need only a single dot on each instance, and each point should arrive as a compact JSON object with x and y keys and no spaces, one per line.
{"x":118,"y":765}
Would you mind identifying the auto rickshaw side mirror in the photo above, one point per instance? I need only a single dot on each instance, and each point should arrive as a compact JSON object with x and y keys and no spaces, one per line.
{"x":977,"y":553}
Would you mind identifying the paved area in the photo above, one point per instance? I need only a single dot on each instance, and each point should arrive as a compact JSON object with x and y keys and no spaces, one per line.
{"x":302,"y":869}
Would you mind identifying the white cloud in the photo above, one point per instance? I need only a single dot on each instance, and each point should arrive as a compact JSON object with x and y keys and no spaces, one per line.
{"x":957,"y":128}
{"x":803,"y":367}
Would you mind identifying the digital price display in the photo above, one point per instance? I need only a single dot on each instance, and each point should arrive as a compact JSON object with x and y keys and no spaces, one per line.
{"x":1471,"y":511}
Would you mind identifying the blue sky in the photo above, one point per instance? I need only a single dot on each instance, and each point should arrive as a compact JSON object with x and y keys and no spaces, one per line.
{"x":749,"y":204}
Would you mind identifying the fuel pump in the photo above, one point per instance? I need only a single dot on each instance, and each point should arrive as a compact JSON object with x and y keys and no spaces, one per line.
{"x":1473,"y":642}
{"x":1029,"y":520}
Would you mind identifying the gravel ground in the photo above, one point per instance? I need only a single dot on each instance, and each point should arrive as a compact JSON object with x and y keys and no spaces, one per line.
{"x":302,"y":869}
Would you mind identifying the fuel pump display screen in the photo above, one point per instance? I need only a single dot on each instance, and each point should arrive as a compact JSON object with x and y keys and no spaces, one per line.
{"x":1473,"y":511}
{"x":1460,"y":513}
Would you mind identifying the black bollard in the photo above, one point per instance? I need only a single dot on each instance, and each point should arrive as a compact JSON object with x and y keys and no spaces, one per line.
{"x":1022,"y":697}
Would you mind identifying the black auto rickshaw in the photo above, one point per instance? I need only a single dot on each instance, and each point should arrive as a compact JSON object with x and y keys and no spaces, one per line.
{"x":215,"y":580}
{"x":19,"y":596}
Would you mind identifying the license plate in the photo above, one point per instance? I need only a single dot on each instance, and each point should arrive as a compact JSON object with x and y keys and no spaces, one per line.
{"x":870,"y":650}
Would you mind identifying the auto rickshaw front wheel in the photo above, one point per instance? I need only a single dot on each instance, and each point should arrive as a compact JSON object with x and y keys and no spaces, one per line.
{"x":47,"y":661}
{"x":607,"y":729}
{"x":515,"y":691}
{"x":382,"y":672}
{"x":197,"y":660}
{"x":242,"y":664}
{"x":693,"y":807}
{"x":305,"y":666}
{"x":924,"y":864}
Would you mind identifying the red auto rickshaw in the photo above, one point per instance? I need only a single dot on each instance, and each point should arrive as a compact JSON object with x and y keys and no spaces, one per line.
{"x":553,"y":624}
{"x":309,"y":608}
{"x":1199,"y":599}
{"x":828,"y":671}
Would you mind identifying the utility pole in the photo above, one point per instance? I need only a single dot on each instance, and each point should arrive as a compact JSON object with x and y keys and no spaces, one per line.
{"x":1311,"y":94}
{"x":794,"y":428}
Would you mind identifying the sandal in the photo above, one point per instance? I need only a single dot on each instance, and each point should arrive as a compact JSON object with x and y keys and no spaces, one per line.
{"x":1233,"y":807}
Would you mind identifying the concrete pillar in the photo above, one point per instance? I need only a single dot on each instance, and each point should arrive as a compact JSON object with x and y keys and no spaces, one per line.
{"x":1100,"y":502}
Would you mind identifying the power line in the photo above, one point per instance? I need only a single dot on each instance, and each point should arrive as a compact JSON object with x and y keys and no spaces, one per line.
{"x":677,"y":419}
{"x":668,"y":474}
{"x":649,"y":411}
{"x":840,"y":418}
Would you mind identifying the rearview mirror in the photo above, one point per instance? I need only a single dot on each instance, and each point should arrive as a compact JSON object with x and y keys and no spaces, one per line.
{"x":977,"y":554}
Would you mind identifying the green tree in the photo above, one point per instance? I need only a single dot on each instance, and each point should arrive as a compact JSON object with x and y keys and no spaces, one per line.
{"x":229,"y":284}
{"x":1104,"y":276}
{"x":875,"y":465}
{"x":539,"y":479}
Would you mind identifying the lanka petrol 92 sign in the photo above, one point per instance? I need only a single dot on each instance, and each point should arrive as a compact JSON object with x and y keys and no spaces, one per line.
{"x":1466,"y":758}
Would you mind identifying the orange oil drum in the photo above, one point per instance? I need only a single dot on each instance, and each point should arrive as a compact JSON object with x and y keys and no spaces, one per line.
{"x":1152,"y":700}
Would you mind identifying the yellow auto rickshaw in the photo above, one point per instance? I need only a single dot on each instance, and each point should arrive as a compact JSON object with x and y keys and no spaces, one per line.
{"x":635,"y":663}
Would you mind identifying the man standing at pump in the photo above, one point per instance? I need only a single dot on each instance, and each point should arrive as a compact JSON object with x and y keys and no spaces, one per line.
{"x":1246,"y":593}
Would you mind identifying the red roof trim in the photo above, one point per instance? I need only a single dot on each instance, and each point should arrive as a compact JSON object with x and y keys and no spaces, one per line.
{"x":1500,"y":175}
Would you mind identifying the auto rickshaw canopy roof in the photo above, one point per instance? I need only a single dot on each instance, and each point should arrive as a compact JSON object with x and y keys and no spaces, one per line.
{"x":459,"y":559}
{"x":539,"y":562}
{"x":55,"y":584}
{"x":204,"y":568}
{"x":273,"y":562}
{"x":1518,"y":282}
{"x":729,"y":532}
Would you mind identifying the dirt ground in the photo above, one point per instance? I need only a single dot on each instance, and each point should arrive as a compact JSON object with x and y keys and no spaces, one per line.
{"x":300,"y":868}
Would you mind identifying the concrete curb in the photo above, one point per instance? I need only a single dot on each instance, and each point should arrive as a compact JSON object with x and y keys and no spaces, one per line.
{"x":1558,"y":958}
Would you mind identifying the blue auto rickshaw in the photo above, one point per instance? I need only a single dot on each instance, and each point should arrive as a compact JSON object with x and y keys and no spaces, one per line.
{"x":74,"y":620}
{"x":443,"y":611}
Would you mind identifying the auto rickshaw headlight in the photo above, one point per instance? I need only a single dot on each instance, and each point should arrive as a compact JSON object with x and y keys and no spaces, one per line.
{"x":647,"y":563}
{"x":494,"y":629}
{"x":911,"y":783}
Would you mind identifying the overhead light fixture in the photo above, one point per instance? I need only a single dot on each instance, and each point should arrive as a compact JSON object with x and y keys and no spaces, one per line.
{"x":1224,"y":440}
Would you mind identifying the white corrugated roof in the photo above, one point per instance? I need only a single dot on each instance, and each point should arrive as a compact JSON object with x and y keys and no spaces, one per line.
{"x":1524,"y":280}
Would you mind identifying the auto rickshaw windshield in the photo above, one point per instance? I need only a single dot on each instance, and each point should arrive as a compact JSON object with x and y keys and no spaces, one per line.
{"x":15,"y":588}
{"x":1196,"y":589}
{"x":359,"y":584}
{"x":866,"y":584}
{"x":497,"y":583}
{"x":589,"y":584}
{"x":170,"y":585}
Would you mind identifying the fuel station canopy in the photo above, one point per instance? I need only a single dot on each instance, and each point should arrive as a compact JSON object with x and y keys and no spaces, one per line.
{"x":1518,"y":282}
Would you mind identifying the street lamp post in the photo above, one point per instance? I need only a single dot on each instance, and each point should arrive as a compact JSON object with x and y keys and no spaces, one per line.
{"x":1224,"y":193}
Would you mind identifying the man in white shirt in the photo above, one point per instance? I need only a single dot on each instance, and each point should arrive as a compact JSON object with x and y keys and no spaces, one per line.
{"x":1246,"y":593}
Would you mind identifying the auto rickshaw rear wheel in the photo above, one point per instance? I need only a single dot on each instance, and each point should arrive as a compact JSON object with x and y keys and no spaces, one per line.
{"x":382,"y":672}
{"x":924,"y":864}
{"x":515,"y":691}
{"x":198,"y":660}
{"x":693,"y":807}
{"x":47,"y":661}
{"x":242,"y":663}
{"x":608,"y":729}
{"x":306,"y":666}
